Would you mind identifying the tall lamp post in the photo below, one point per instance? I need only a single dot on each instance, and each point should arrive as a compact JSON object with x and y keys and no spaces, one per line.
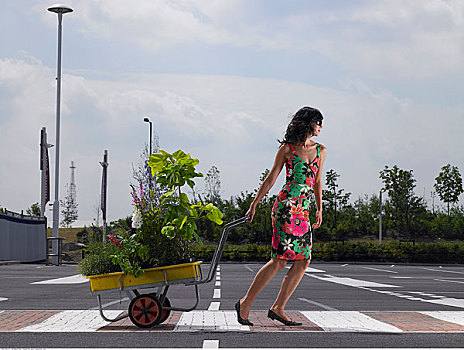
{"x":151,"y":136}
{"x":60,"y":10}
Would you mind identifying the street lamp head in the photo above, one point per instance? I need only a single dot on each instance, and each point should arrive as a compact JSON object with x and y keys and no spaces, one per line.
{"x":146,"y":120}
{"x":58,"y":8}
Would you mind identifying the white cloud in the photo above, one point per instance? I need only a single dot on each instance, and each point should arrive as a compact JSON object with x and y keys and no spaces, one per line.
{"x":230,"y":122}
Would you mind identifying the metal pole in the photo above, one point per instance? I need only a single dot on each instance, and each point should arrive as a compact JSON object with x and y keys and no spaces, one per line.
{"x":151,"y":137}
{"x":380,"y":218}
{"x":104,"y":164}
{"x":56,"y":203}
{"x":45,"y":169}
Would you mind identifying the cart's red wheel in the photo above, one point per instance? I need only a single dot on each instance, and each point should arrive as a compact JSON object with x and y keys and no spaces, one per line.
{"x":165,"y":313}
{"x":145,"y":311}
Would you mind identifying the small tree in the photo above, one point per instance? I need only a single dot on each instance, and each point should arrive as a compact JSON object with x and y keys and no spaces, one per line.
{"x":69,"y":210}
{"x":404,"y":204}
{"x":335,"y":198}
{"x":449,"y":185}
{"x":213,"y":185}
{"x":34,"y":210}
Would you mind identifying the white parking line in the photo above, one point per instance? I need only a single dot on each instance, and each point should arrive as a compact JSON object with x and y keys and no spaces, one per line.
{"x":425,"y":268}
{"x":248,"y":268}
{"x":447,"y":281}
{"x":109,"y":304}
{"x":210,"y":344}
{"x":351,"y":281}
{"x":327,"y":307}
{"x":214,"y":306}
{"x":372,"y":268}
{"x":76,"y":279}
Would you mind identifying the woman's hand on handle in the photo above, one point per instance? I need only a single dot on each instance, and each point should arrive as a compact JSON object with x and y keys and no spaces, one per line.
{"x":251,"y":213}
{"x":318,"y":219}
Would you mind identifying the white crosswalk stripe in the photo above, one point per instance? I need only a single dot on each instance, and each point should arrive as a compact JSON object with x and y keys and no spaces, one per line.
{"x":209,"y":321}
{"x":347,"y":321}
{"x":449,"y":316}
{"x":72,"y":321}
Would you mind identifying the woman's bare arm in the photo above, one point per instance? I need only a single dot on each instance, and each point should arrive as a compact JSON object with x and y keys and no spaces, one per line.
{"x":270,"y":179}
{"x":317,"y":188}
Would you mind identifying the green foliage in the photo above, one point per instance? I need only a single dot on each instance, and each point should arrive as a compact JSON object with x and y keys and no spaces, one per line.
{"x":403,"y":206}
{"x":129,"y":252}
{"x":449,"y":185}
{"x":97,"y":258}
{"x":335,"y":202}
{"x":34,"y":210}
{"x":163,"y":225}
{"x":173,"y":171}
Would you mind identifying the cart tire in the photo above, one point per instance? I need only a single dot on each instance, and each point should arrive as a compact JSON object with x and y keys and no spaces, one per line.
{"x":145,"y":311}
{"x":165,"y":313}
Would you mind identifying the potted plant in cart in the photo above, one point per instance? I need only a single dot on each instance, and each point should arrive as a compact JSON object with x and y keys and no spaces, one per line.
{"x":164,"y":219}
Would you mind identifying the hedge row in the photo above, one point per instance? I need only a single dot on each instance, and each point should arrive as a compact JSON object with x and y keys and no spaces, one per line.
{"x":405,"y":252}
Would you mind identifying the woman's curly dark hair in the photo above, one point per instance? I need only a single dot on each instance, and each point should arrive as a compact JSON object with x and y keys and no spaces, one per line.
{"x":300,"y":126}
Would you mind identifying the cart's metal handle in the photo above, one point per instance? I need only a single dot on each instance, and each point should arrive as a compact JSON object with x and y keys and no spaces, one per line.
{"x":220,"y":247}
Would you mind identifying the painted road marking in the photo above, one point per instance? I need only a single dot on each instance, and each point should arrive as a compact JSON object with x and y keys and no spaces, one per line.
{"x":344,"y":265}
{"x":308,"y":269}
{"x":109,"y":304}
{"x":449,"y":316}
{"x":448,"y":281}
{"x":399,"y":277}
{"x":372,"y":268}
{"x":64,"y":280}
{"x":327,"y":307}
{"x":211,"y":344}
{"x":217,"y":294}
{"x":209,"y":321}
{"x":72,"y":321}
{"x":219,"y":320}
{"x":217,"y":284}
{"x":425,"y":268}
{"x":248,"y":268}
{"x":3,"y":299}
{"x":352,"y":282}
{"x":348,"y":321}
{"x":214,"y":306}
{"x":442,"y":301}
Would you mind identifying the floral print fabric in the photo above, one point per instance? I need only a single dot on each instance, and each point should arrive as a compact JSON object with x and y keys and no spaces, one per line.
{"x":292,"y":236}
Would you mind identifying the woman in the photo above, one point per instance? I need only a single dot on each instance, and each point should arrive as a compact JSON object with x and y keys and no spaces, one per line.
{"x":292,"y":235}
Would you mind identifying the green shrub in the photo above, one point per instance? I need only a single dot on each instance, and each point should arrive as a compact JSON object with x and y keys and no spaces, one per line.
{"x":97,"y":259}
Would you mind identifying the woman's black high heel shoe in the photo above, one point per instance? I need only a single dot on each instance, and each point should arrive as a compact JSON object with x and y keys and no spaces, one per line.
{"x":239,"y":319}
{"x":273,"y":316}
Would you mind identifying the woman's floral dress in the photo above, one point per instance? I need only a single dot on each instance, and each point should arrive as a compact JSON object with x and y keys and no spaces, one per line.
{"x":292,"y":236}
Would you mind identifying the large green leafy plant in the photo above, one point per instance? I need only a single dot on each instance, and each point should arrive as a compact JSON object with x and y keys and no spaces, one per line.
{"x":174,"y":171}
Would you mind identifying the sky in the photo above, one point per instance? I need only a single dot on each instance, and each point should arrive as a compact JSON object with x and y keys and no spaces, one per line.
{"x":220,"y":80}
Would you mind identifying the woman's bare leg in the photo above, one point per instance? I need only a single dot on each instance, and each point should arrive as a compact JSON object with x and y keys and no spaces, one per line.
{"x":289,"y":284}
{"x":263,"y":276}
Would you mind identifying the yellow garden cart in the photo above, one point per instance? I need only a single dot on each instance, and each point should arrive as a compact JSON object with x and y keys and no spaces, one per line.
{"x":152,"y":308}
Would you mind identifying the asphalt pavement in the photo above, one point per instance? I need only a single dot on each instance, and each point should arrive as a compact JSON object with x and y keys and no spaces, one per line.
{"x":341,"y":305}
